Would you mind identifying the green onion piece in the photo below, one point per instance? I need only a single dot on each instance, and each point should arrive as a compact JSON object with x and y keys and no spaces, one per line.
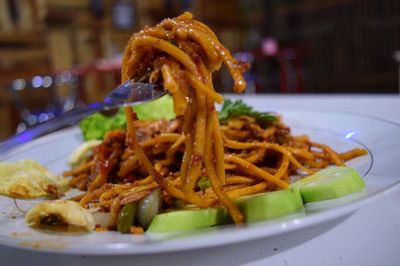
{"x":126,"y":217}
{"x":203,"y":183}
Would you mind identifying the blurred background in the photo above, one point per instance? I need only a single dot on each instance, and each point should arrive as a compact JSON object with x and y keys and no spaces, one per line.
{"x":57,"y":54}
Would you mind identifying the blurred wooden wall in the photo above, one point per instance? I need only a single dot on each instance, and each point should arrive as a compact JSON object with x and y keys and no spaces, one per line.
{"x":349,"y":44}
{"x":344,"y":46}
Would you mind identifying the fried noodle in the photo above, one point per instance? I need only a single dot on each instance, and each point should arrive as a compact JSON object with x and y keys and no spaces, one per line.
{"x":239,"y":158}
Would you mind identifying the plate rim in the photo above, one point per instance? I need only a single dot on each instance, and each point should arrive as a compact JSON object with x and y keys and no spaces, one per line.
{"x":310,"y":219}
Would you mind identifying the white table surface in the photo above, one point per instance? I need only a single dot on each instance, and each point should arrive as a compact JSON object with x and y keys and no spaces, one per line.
{"x":369,"y":237}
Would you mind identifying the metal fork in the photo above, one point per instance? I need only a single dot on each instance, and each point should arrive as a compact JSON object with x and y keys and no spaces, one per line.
{"x":127,"y":94}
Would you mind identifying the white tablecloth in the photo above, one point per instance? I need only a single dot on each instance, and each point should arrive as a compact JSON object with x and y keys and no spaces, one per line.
{"x":371,"y":236}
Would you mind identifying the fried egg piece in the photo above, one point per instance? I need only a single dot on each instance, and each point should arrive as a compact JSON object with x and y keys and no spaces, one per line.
{"x":27,"y":179}
{"x":60,"y":214}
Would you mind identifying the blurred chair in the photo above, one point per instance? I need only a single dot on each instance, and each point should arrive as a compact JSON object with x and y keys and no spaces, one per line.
{"x":396,"y":56}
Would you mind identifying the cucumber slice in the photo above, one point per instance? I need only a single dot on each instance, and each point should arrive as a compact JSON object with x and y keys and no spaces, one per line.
{"x":255,"y":208}
{"x":270,"y":205}
{"x":330,"y":183}
{"x":185,"y":220}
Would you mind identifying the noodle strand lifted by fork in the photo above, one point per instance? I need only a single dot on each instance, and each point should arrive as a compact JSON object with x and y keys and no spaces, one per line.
{"x":205,"y":50}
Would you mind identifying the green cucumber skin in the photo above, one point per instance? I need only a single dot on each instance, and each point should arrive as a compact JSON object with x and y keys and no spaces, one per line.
{"x":186,"y":220}
{"x":325,"y":192}
{"x":276,"y":204}
{"x":335,"y":188}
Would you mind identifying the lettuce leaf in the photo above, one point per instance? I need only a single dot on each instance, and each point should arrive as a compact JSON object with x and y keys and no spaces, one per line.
{"x":158,"y":109}
{"x":97,"y":125}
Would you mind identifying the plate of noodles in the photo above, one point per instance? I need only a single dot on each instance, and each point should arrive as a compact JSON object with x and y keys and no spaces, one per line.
{"x":207,"y":166}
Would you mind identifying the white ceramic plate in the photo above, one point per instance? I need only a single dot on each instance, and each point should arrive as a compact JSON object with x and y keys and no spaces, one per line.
{"x":380,"y":169}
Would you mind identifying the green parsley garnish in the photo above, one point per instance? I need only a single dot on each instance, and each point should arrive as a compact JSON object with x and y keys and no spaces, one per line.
{"x":237,"y":108}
